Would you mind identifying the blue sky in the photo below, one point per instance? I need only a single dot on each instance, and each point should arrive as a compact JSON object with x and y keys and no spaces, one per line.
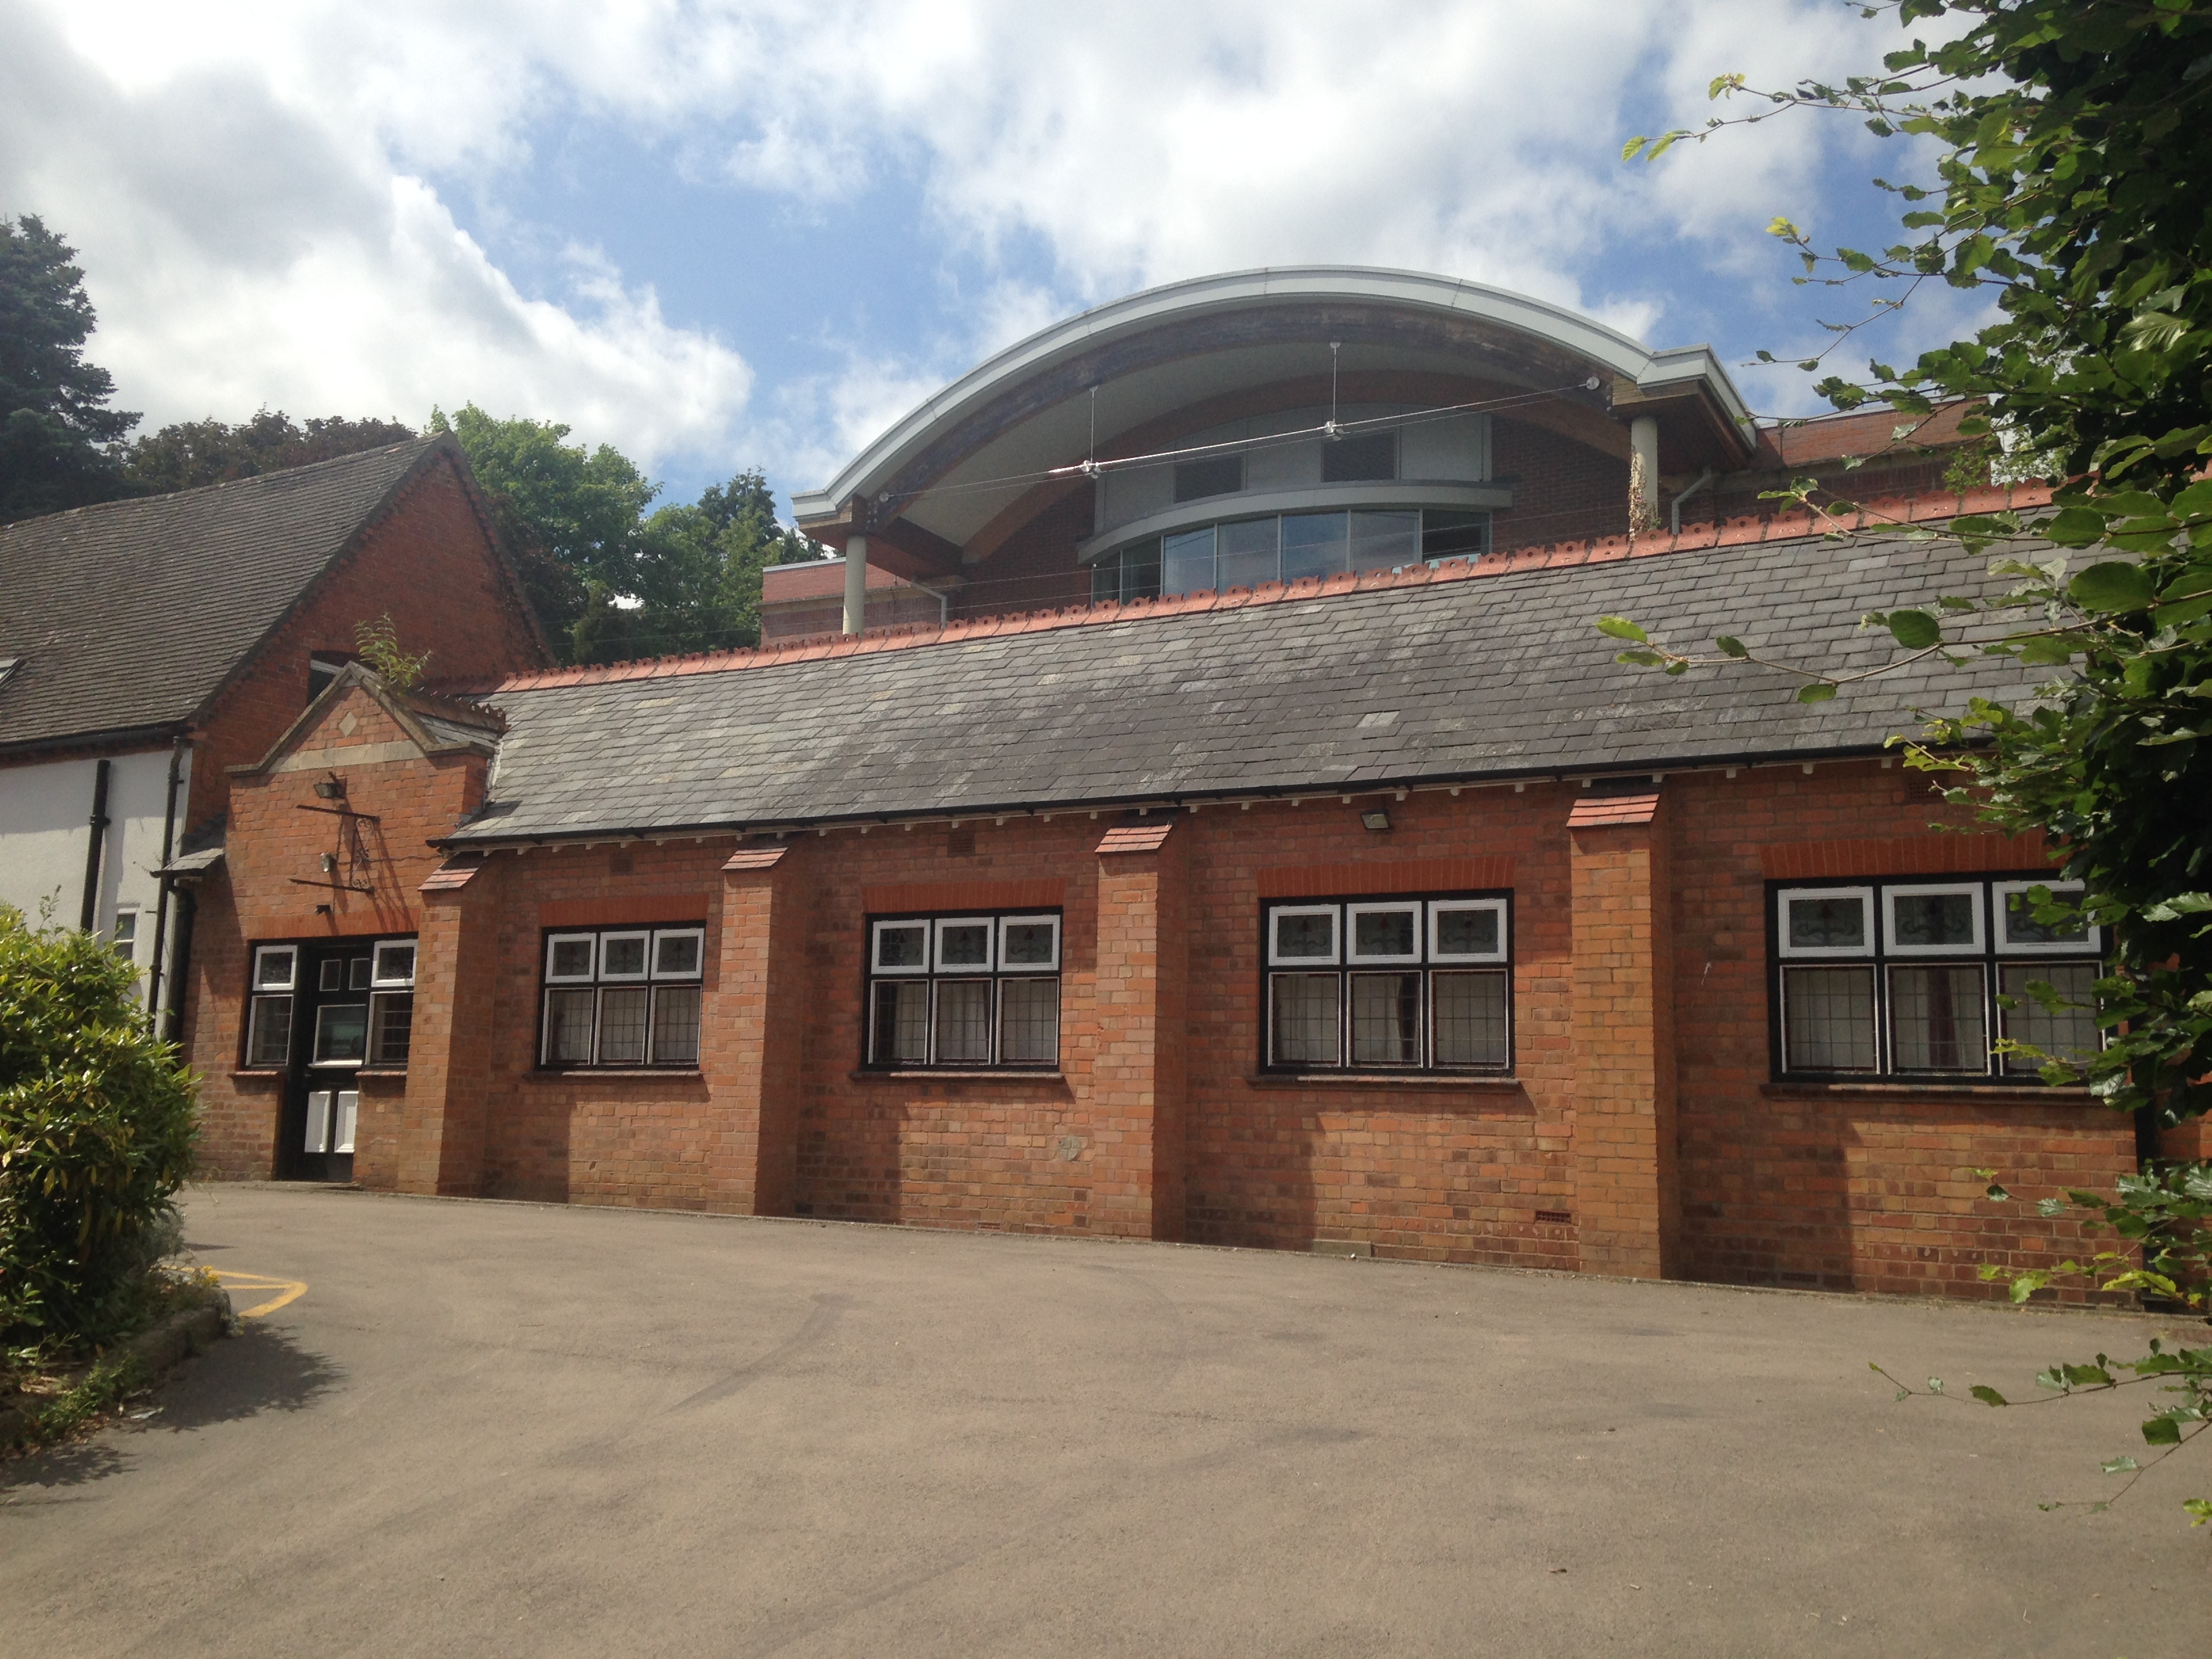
{"x":718,"y":236}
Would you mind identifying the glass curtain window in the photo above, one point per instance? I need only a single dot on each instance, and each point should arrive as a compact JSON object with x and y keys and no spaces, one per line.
{"x":1187,"y":561}
{"x":1385,"y":541}
{"x":963,"y":991}
{"x":1248,"y":554}
{"x":624,"y":997}
{"x":1313,"y":545}
{"x":1912,"y":978}
{"x":1410,"y":983}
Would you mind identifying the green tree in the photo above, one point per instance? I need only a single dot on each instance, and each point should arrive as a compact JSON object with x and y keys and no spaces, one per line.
{"x":97,"y":1123}
{"x":189,"y":454}
{"x":570,"y":514}
{"x":2073,"y":183}
{"x":55,"y":428}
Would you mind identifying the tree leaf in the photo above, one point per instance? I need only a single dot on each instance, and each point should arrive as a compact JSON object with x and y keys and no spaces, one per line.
{"x":1817,"y":691}
{"x":1988,"y":1395}
{"x":1731,"y":646}
{"x":2114,"y":585}
{"x":1620,"y":628}
{"x":1915,"y":630}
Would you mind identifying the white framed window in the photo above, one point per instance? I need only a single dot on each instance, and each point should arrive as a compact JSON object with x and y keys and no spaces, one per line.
{"x":2013,"y":906}
{"x":1825,"y":921}
{"x":571,"y":958}
{"x":393,"y":967}
{"x":390,"y":1001}
{"x":1380,"y":932}
{"x":1302,"y":935}
{"x":1933,"y":919}
{"x":1467,"y":930}
{"x":123,"y":937}
{"x":276,"y":967}
{"x":1029,"y":944}
{"x":678,"y":952}
{"x":623,"y":997}
{"x":270,"y":1006}
{"x":1904,"y":979}
{"x":626,"y":955}
{"x":963,"y":991}
{"x":1409,"y":984}
{"x":963,"y":943}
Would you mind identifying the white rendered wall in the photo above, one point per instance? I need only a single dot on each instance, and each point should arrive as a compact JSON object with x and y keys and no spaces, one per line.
{"x":46,"y":819}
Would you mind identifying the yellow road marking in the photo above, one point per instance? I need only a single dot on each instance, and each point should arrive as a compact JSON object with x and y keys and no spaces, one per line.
{"x":292,"y":1289}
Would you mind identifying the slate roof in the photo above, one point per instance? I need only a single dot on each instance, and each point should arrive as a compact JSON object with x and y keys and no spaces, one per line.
{"x":1492,"y":675}
{"x":130,"y":615}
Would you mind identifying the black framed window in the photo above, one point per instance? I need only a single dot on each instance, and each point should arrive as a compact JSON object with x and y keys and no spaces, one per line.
{"x":1925,"y":976}
{"x":623,"y":997}
{"x":963,"y":991}
{"x":1396,"y":983}
{"x":374,"y":1029}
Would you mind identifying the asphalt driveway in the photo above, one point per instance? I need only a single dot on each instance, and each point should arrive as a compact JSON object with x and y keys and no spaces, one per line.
{"x":489,"y":1429}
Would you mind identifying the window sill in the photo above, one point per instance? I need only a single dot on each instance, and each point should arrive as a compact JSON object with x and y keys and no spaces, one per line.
{"x":260,"y":1073}
{"x":543,"y":1074}
{"x":941,"y":1074}
{"x":2005,"y":1091}
{"x":1489,"y":1080}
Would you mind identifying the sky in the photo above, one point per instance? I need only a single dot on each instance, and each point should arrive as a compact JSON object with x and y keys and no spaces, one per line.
{"x":720,"y":235}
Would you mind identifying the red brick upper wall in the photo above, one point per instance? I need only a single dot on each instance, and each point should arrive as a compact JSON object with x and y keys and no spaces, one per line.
{"x":428,"y":563}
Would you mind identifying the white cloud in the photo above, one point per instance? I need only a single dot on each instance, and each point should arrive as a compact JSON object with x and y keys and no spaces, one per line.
{"x":255,"y":198}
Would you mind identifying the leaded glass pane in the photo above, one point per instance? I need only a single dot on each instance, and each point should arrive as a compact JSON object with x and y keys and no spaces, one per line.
{"x":1312,"y":936}
{"x":2068,"y":1033}
{"x":391,"y":1028}
{"x":1384,"y":932}
{"x":899,"y":1032}
{"x":1937,"y":1019}
{"x":964,"y":1020}
{"x":1029,"y":1020}
{"x":1386,"y":1019}
{"x":2021,"y":926}
{"x":1467,"y":932}
{"x":676,"y":1026}
{"x":568,"y":1027}
{"x":621,"y":956}
{"x":269,"y":1040}
{"x":1470,"y":1018}
{"x":1828,"y":924}
{"x":1302,"y":1019}
{"x":1929,"y":920}
{"x":1828,"y":1019}
{"x":622,"y":1023}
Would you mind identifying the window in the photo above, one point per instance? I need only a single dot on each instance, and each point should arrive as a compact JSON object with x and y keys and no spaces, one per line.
{"x":269,"y":1018}
{"x":1210,"y":475}
{"x":390,"y":1001}
{"x":622,"y":996}
{"x":1370,"y":457}
{"x":122,"y":938}
{"x":1416,"y":984}
{"x":963,"y":991}
{"x":1924,"y":978}
{"x":1247,"y":552}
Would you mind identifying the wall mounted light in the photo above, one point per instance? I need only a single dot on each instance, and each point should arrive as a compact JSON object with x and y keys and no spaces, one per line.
{"x":330,"y":863}
{"x":1376,"y":819}
{"x":331,"y":787}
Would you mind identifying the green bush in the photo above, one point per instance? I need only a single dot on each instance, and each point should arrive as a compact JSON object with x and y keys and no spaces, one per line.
{"x":97,"y":1122}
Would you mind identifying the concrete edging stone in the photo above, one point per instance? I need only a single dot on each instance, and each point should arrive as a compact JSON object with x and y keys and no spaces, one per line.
{"x":160,"y":1350}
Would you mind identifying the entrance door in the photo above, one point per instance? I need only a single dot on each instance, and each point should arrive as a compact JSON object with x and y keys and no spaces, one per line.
{"x":324,"y":1099}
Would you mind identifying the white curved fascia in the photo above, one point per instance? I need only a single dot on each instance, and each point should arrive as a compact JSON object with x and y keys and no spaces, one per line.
{"x":1323,"y":498}
{"x":1581,"y":336}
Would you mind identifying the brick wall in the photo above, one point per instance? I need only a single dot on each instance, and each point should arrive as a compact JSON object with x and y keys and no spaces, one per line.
{"x":1867,"y":1187}
{"x":428,"y":564}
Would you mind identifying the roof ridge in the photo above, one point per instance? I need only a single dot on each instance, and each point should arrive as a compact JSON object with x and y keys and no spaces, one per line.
{"x":168,"y":496}
{"x":1881,"y":513}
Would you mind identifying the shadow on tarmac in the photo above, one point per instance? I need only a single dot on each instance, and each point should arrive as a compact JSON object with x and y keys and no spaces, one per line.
{"x":263,"y":1369}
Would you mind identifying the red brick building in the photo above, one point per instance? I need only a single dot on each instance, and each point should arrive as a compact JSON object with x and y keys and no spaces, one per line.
{"x":1265,"y":851}
{"x":148,"y":646}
